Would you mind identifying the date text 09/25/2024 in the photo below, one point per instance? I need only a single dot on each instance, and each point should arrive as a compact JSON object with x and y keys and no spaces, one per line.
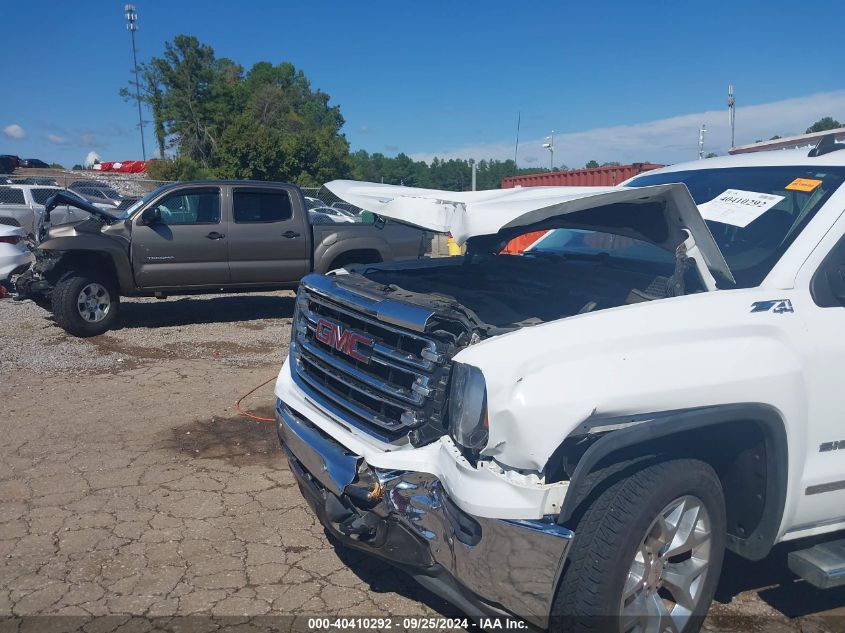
{"x":413,"y":623}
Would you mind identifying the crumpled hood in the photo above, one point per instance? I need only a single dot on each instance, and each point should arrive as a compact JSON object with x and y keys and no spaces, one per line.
{"x":662,"y":214}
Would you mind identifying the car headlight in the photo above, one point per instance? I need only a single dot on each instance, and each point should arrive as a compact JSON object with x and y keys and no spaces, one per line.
{"x":468,"y":407}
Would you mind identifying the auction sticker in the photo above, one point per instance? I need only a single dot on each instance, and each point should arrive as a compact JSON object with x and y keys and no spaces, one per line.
{"x":737,"y":207}
{"x":803,"y":184}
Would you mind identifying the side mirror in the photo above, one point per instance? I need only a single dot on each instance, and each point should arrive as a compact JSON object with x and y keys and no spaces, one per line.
{"x":151,"y":216}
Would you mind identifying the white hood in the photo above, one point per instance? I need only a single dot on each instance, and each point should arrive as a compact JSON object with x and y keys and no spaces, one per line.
{"x":667,"y":213}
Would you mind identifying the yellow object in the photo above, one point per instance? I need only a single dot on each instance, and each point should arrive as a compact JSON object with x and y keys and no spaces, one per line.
{"x":803,"y":184}
{"x":453,"y":247}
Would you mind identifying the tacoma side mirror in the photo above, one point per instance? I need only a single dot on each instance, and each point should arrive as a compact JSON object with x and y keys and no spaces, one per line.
{"x":151,"y":216}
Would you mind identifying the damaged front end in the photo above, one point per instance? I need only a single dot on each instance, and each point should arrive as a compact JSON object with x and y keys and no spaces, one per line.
{"x":485,"y":566}
{"x":35,"y":282}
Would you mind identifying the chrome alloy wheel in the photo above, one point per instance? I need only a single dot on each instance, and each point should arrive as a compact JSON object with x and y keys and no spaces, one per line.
{"x":665,"y":582}
{"x":93,"y":302}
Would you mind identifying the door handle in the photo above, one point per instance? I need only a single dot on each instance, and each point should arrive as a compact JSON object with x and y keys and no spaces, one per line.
{"x":290,"y":234}
{"x":214,"y":235}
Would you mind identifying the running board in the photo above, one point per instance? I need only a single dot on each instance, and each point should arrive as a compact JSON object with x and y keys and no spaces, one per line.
{"x":822,"y":565}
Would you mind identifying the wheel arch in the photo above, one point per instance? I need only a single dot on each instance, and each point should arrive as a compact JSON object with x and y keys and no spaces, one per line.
{"x":368,"y":255}
{"x":113,"y":264}
{"x":753,"y":472}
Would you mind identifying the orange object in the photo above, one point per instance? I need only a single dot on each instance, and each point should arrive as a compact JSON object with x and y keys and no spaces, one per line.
{"x":252,"y":416}
{"x":518,"y":244}
{"x":803,"y":184}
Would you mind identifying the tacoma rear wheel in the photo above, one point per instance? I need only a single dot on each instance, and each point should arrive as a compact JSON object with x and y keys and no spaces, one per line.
{"x":647,"y":553}
{"x":85,"y":304}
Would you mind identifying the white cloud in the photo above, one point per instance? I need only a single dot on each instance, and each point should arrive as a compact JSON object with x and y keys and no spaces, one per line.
{"x":669,"y":140}
{"x":14,"y":131}
{"x":55,"y":139}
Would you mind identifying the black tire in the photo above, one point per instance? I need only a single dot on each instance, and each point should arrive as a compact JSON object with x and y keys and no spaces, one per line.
{"x":611,"y":532}
{"x":66,"y":309}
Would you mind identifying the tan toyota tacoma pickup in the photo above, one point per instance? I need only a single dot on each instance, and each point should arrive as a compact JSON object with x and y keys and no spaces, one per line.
{"x":190,"y":238}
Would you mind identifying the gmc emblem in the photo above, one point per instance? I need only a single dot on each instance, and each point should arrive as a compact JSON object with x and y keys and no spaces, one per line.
{"x":343,"y":340}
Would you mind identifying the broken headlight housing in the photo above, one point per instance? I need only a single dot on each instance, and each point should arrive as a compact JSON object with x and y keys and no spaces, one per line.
{"x":468,"y":407}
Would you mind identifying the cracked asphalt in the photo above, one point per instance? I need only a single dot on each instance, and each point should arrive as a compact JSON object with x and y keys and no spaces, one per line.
{"x":132,"y":493}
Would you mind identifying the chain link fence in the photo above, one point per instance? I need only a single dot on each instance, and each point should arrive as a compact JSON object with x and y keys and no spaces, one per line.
{"x":128,"y":185}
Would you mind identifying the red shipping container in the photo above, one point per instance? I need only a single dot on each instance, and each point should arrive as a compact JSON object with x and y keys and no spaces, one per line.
{"x":608,"y":176}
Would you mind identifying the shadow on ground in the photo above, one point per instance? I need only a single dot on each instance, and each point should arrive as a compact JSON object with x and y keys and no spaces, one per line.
{"x":192,"y":310}
{"x":778,"y":587}
{"x":382,"y":577}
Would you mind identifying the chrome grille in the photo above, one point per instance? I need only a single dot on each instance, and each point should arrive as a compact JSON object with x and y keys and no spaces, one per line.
{"x":397,"y":382}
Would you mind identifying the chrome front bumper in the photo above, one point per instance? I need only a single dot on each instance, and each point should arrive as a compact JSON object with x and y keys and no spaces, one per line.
{"x":484,"y":566}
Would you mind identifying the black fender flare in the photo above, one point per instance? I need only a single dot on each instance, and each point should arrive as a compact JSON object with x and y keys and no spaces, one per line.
{"x":665,"y":424}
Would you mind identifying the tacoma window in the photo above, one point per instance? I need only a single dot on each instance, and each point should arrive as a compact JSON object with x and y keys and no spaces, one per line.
{"x":196,"y":206}
{"x":261,"y":206}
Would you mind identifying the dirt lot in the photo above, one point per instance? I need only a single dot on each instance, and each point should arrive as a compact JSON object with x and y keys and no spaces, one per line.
{"x":130,"y":486}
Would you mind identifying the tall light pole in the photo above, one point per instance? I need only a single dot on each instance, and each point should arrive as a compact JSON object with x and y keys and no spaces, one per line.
{"x":701,"y":132}
{"x":132,"y":26}
{"x":550,"y":145}
{"x":731,"y":111}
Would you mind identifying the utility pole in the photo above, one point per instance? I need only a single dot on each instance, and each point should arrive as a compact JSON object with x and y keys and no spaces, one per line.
{"x":550,"y":145}
{"x":474,"y":166}
{"x":731,"y":111}
{"x":701,"y":132}
{"x":132,"y":26}
{"x":516,"y":147}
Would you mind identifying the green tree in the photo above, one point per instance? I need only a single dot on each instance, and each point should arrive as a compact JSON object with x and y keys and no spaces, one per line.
{"x":711,"y":155}
{"x":198,"y":95}
{"x":591,"y":164}
{"x":180,"y":168}
{"x":825,"y":123}
{"x":151,"y":92}
{"x":267,"y":123}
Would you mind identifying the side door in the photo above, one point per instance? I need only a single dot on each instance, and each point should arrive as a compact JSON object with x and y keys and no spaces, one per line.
{"x":821,"y":499}
{"x":188,"y":246}
{"x":268,"y":236}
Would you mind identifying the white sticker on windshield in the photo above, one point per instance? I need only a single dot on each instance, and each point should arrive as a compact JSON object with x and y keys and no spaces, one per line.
{"x":737,"y":207}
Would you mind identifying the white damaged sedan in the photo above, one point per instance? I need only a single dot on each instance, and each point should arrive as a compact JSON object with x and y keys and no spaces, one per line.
{"x":15,"y":255}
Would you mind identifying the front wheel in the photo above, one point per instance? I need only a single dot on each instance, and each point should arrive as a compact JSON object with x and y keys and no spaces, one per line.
{"x":647,"y":553}
{"x":85,"y":304}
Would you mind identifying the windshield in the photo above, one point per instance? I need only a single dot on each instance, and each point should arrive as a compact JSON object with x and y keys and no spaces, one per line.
{"x":579,"y":242}
{"x":753,"y":250}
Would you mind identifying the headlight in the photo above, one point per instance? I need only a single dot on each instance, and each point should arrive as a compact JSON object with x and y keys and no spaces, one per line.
{"x":468,"y":407}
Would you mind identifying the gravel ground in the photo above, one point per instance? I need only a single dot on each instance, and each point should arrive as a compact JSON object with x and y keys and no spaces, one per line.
{"x":237,"y":330}
{"x":131,"y":489}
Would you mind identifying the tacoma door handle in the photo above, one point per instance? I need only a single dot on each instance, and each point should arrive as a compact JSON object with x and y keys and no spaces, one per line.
{"x":214,"y":235}
{"x":290,"y":234}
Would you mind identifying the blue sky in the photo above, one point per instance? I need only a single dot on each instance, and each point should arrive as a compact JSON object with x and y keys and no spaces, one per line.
{"x":615,"y":80}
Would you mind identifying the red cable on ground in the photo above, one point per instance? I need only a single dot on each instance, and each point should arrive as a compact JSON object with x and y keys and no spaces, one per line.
{"x":252,"y":416}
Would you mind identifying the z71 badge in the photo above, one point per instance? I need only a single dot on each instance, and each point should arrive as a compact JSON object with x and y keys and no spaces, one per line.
{"x":778,"y":306}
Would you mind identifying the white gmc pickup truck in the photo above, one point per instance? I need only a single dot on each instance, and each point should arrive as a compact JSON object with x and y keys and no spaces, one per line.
{"x":573,"y":435}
